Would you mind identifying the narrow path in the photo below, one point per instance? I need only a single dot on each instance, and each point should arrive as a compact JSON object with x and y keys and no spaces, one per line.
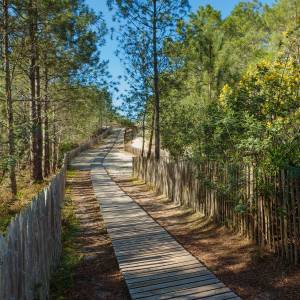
{"x":97,"y":276}
{"x":154,"y":265}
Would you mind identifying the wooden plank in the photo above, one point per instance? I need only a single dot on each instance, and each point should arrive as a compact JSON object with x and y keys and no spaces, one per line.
{"x":154,"y":249}
{"x":175,"y":280}
{"x":130,"y":250}
{"x":166,"y":266}
{"x":158,"y":260}
{"x":151,"y":249}
{"x":204,"y":288}
{"x":135,"y":225}
{"x":169,"y":269}
{"x":131,"y":231}
{"x":125,"y":218}
{"x":163,"y":275}
{"x":184,"y":261}
{"x":147,"y":235}
{"x":148,"y":257}
{"x":154,"y":264}
{"x":222,"y":296}
{"x":140,"y":267}
{"x":143,"y":240}
{"x":144,"y":244}
{"x":121,"y":209}
{"x":134,"y":234}
{"x":207,"y":292}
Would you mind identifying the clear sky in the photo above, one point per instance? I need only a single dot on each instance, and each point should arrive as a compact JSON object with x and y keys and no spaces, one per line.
{"x":108,"y":52}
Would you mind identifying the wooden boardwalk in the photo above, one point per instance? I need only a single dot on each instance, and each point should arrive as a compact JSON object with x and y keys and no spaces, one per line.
{"x":154,"y":265}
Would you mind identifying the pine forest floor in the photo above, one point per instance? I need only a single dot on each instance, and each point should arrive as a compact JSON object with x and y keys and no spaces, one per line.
{"x":89,"y":270}
{"x":26,"y":191}
{"x":251,"y":273}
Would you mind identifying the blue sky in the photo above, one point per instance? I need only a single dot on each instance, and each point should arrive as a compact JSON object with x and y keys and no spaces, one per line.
{"x":108,"y":52}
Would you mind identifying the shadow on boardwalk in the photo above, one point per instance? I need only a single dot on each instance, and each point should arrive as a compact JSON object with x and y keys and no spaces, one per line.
{"x":97,"y":277}
{"x":237,"y":262}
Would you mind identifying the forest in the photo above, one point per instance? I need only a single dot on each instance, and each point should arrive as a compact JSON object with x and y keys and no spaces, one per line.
{"x":212,"y":101}
{"x":53,"y":90}
{"x":220,"y":96}
{"x":228,"y":87}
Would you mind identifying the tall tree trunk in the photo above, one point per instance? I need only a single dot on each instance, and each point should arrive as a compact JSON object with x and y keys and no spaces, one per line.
{"x":36,"y":172}
{"x":100,"y":120}
{"x":143,"y":129}
{"x":54,"y":153}
{"x":39,"y":120}
{"x":47,"y":153}
{"x":156,"y":86}
{"x":210,"y":74}
{"x":105,"y":114}
{"x":9,"y":104}
{"x":151,"y":135}
{"x":54,"y":141}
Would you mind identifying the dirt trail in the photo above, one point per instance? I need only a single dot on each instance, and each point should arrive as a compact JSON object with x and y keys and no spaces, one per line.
{"x":98,"y":276}
{"x":237,"y":262}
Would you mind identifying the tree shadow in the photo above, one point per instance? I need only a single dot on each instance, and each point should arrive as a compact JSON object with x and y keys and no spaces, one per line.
{"x":251,"y":272}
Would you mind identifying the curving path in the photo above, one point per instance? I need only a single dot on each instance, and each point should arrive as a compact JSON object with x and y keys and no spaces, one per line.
{"x":154,"y":265}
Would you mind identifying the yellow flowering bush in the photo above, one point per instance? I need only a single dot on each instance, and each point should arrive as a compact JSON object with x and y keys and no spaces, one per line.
{"x":265,"y":111}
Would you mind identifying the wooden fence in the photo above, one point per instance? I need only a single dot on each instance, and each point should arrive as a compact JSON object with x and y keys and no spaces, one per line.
{"x":31,"y":248}
{"x":264,"y":208}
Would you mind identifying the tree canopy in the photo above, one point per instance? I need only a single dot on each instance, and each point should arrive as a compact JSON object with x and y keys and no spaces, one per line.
{"x":54,"y":83}
{"x":232,"y":92}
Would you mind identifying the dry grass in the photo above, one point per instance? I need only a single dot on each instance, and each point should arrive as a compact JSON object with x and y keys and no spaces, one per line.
{"x":26,"y":191}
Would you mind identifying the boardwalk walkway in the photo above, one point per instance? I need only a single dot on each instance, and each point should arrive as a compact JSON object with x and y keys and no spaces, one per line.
{"x":154,"y":265}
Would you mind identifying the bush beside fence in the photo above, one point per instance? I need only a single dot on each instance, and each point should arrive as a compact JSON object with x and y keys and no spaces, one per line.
{"x":264,"y":208}
{"x":30,"y":250}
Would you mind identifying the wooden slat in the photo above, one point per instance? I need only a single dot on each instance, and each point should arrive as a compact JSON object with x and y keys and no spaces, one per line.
{"x":155,"y":281}
{"x":210,"y":285}
{"x":150,"y":257}
{"x":163,"y":263}
{"x":154,"y":264}
{"x":207,"y":292}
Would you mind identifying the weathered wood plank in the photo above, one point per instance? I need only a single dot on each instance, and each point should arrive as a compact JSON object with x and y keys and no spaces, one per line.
{"x":155,"y":281}
{"x":139,"y":235}
{"x":145,"y":245}
{"x":161,"y":275}
{"x":163,"y":264}
{"x":149,"y":257}
{"x":203,"y":292}
{"x":207,"y":284}
{"x":154,"y":264}
{"x":161,"y":286}
{"x":146,"y":251}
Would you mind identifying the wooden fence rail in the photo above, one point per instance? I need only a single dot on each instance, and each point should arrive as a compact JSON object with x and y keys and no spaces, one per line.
{"x":31,"y":248}
{"x":264,"y":208}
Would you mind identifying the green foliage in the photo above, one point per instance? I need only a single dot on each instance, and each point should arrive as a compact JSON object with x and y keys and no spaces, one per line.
{"x":73,"y":99}
{"x":66,"y":146}
{"x":233,"y":93}
{"x":266,"y":107}
{"x":123,"y":121}
{"x":241,"y":208}
{"x":4,"y":221}
{"x":62,"y":279}
{"x":232,"y":96}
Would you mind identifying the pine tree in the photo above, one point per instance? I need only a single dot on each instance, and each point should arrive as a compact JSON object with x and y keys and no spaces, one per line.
{"x":156,"y":20}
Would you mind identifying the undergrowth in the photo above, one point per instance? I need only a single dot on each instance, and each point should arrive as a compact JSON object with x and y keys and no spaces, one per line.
{"x":63,"y":279}
{"x":26,"y":191}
